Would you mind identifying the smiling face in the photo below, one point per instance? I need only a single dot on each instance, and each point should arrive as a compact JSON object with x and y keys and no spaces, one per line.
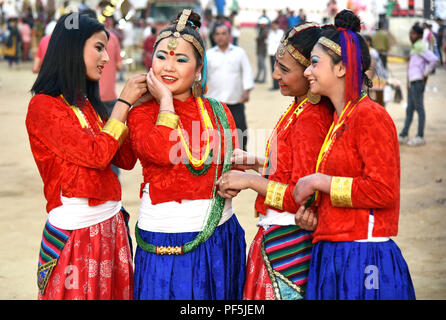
{"x":324,"y":77}
{"x":95,"y":55}
{"x":290,"y":75}
{"x":177,"y":68}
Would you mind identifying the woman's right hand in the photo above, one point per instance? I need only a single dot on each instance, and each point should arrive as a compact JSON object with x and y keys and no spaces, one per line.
{"x":134,"y":88}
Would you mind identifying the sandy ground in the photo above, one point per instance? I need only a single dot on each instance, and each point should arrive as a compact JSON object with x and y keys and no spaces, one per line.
{"x":421,"y":237}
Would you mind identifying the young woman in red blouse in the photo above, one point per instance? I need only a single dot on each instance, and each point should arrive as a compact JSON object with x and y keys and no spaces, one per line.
{"x":280,"y":253}
{"x":357,"y":179}
{"x":85,"y":250}
{"x":190,"y":244}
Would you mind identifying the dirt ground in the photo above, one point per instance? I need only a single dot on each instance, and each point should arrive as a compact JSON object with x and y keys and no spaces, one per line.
{"x":422,"y":236}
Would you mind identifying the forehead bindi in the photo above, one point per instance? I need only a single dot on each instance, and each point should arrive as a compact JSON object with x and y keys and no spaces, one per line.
{"x":183,"y":47}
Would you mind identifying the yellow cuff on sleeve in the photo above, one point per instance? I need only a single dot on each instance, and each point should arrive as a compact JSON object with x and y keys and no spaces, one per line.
{"x":275,"y":192}
{"x":116,"y":129}
{"x":341,"y":192}
{"x":167,"y":119}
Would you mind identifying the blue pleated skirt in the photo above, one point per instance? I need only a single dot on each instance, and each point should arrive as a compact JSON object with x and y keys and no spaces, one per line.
{"x":358,"y":271}
{"x":215,"y":270}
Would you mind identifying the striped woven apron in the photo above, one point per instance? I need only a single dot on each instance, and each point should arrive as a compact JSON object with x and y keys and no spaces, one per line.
{"x":286,"y":251}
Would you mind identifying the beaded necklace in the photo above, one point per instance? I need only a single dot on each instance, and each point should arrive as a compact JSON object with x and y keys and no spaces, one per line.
{"x":278,"y":129}
{"x":194,"y":165}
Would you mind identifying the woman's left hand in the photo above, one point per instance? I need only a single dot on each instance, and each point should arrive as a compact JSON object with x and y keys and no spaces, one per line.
{"x":231,"y":182}
{"x":308,"y":185}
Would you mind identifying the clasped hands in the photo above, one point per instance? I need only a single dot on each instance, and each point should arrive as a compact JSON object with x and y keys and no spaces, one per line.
{"x":233,"y":181}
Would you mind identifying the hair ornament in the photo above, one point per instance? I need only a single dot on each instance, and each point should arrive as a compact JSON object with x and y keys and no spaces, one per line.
{"x":294,"y":52}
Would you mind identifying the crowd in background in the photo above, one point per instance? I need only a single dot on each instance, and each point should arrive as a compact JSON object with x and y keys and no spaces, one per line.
{"x":20,"y":35}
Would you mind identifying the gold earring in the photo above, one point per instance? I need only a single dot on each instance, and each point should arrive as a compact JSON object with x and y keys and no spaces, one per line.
{"x":313,"y":98}
{"x":196,"y":89}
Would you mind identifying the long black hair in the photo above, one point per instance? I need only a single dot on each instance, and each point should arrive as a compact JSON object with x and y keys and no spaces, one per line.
{"x":63,"y":68}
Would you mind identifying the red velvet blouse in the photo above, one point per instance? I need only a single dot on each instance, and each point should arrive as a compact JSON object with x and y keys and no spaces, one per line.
{"x":72,"y":159}
{"x":366,"y":149}
{"x":160,"y":150}
{"x":296,"y":151}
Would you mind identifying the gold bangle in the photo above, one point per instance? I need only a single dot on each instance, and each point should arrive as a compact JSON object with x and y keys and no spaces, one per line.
{"x":116,"y":129}
{"x":167,"y":119}
{"x":275,"y":192}
{"x":341,"y":192}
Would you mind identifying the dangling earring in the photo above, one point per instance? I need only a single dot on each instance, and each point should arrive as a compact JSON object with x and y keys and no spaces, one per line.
{"x":313,"y":98}
{"x":196,"y":88}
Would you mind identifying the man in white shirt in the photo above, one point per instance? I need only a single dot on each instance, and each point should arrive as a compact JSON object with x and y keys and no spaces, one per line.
{"x":272,"y":43}
{"x":230,"y":77}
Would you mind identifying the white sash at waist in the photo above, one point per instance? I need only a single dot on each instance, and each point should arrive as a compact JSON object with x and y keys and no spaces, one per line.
{"x":75,"y":213}
{"x":175,"y":217}
{"x":274,"y":217}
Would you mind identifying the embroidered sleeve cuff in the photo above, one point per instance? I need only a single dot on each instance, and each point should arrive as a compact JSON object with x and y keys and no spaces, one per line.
{"x":167,"y":119}
{"x":116,"y":129}
{"x":275,"y":192}
{"x":341,"y":192}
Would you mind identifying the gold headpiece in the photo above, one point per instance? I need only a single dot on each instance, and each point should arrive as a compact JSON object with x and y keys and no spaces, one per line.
{"x":295,"y":53}
{"x":181,"y":24}
{"x":329,"y":44}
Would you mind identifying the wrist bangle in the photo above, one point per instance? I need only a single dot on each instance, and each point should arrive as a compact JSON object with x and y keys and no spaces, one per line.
{"x":126,"y":102}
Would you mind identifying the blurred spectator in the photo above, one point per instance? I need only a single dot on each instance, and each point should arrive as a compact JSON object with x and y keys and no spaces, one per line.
{"x":235,"y":30}
{"x":263,"y":18}
{"x":421,"y":63}
{"x":25,"y":33}
{"x":376,"y":66}
{"x":293,"y":19}
{"x":282,"y":20}
{"x":230,"y":77}
{"x":381,"y":42}
{"x":302,"y":16}
{"x":440,"y":34}
{"x":261,"y":50}
{"x":13,"y":41}
{"x":273,"y":42}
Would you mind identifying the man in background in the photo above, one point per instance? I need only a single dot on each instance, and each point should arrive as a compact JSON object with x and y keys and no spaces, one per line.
{"x":230,"y":77}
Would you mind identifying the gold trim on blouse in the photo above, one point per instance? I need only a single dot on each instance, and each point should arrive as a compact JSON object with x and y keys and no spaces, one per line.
{"x":167,"y":119}
{"x":116,"y":129}
{"x":341,"y":192}
{"x":275,"y":192}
